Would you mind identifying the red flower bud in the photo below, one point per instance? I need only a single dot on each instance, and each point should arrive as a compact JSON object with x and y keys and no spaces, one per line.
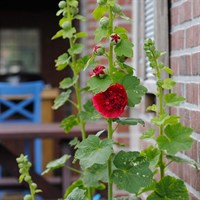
{"x":98,"y":71}
{"x":115,"y":38}
{"x":99,"y":50}
{"x":112,"y":102}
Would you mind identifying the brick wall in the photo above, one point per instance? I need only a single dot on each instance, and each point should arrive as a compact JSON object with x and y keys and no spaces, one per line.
{"x":185,"y":61}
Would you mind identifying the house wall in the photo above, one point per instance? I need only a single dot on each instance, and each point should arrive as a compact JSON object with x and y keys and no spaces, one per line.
{"x":185,"y":62}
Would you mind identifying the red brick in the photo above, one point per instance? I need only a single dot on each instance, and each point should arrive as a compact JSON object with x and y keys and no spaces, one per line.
{"x":195,"y":116}
{"x":185,"y":65}
{"x":196,"y":10}
{"x":192,"y":93}
{"x":192,"y":36}
{"x":177,"y":40}
{"x":174,"y":64}
{"x":196,"y":64}
{"x":185,"y":11}
{"x":174,"y":15}
{"x":185,"y":116}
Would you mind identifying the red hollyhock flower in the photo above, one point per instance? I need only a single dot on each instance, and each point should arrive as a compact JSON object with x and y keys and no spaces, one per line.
{"x":112,"y":102}
{"x":98,"y":71}
{"x":99,"y":50}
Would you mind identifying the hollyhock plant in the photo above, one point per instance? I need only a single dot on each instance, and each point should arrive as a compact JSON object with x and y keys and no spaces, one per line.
{"x":115,"y":38}
{"x":112,"y":102}
{"x":99,"y":50}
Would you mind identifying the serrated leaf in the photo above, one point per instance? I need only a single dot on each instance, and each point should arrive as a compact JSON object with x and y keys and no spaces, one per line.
{"x":128,"y":121}
{"x":61,"y":99}
{"x":92,"y":151}
{"x":68,"y":82}
{"x":69,"y":122}
{"x":164,"y":120}
{"x":168,"y":84}
{"x":111,"y":2}
{"x":150,"y":133}
{"x":76,"y":49}
{"x":77,"y":194}
{"x":81,"y":64}
{"x":99,"y":12}
{"x":120,"y":30}
{"x":177,"y":138}
{"x":124,"y":48}
{"x":132,"y":172}
{"x":169,"y":188}
{"x":173,"y":99}
{"x":89,"y":62}
{"x":55,"y":164}
{"x":134,"y":90}
{"x":97,"y":84}
{"x":62,"y":61}
{"x":94,"y":174}
{"x":152,"y":154}
{"x":100,"y":33}
{"x":123,"y":16}
{"x":89,"y":113}
{"x":184,"y":160}
{"x":69,"y":33}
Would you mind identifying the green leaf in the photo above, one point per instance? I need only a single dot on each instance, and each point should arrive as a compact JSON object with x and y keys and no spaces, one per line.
{"x":150,"y":133}
{"x":168,"y":70}
{"x":69,"y":33}
{"x":153,"y":108}
{"x":99,"y":12}
{"x":152,"y":154}
{"x":55,"y":164}
{"x":120,"y":30}
{"x":127,"y":198}
{"x":58,"y":34}
{"x":184,"y":160}
{"x":177,"y":138}
{"x":100,"y":33}
{"x":76,"y":184}
{"x":93,"y":151}
{"x":68,"y":82}
{"x":81,"y":64}
{"x":80,"y":17}
{"x":94,"y":174}
{"x":134,"y":90}
{"x":164,"y":120}
{"x":111,"y":2}
{"x":89,"y":113}
{"x":170,"y":188}
{"x":97,"y":84}
{"x":124,"y":48}
{"x":61,"y":99}
{"x":173,"y":99}
{"x":76,"y":49}
{"x":89,"y":62}
{"x":132,"y":171}
{"x":77,"y":194}
{"x":62,"y":61}
{"x":128,"y":121}
{"x":81,"y":34}
{"x":69,"y":122}
{"x":168,"y":84}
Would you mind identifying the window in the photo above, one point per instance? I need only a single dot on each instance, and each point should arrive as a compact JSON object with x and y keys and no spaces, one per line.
{"x":19,"y":50}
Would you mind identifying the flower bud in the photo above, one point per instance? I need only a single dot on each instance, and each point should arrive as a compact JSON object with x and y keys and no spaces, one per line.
{"x":104,"y":21}
{"x":66,"y":25}
{"x":115,"y":38}
{"x":117,"y":8}
{"x":101,"y":2}
{"x":98,"y":71}
{"x":61,"y":4}
{"x":99,"y":50}
{"x":28,"y":197}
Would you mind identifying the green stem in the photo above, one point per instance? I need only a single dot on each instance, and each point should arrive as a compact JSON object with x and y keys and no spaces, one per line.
{"x":32,"y":191}
{"x":160,"y":112}
{"x":110,"y":184}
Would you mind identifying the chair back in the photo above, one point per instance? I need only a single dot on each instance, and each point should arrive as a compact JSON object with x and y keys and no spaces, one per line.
{"x":20,"y":102}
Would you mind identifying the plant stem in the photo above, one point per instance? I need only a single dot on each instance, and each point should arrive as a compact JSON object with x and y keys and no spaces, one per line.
{"x":110,"y":184}
{"x":160,"y":112}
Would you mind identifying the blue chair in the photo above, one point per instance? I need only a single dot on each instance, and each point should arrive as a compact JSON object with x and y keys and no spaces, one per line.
{"x":21,"y":103}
